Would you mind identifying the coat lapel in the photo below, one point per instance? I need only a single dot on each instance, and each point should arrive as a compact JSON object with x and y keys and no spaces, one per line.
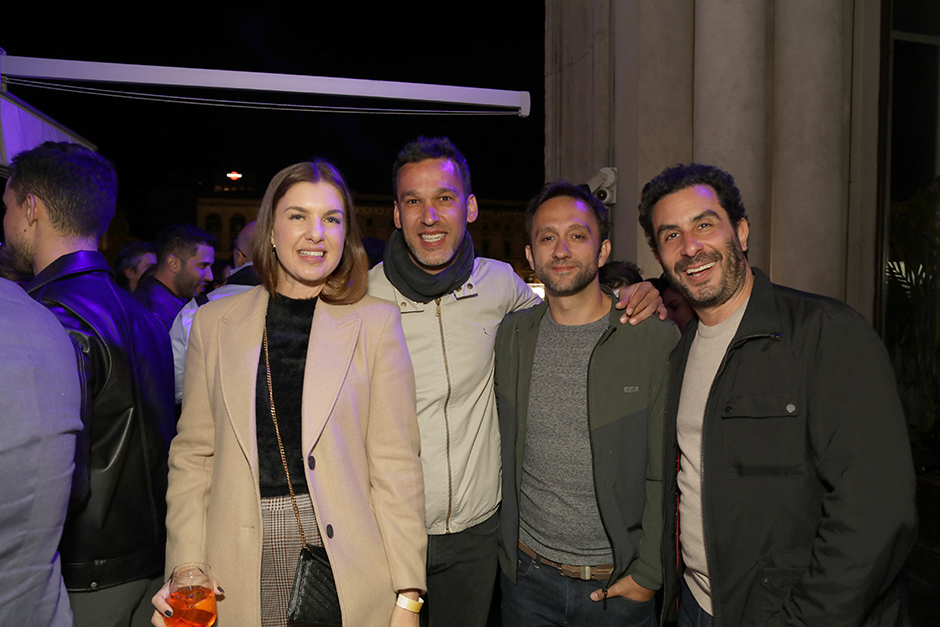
{"x":333,"y":338}
{"x":239,"y":351}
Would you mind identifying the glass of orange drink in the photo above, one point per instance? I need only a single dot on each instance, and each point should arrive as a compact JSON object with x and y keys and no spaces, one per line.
{"x":191,"y":596}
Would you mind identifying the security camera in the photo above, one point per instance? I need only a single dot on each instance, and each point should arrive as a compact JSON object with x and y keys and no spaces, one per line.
{"x":604,"y":185}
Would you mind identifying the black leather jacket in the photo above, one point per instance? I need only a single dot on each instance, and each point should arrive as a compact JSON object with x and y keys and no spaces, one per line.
{"x":159,"y":300}
{"x":116,"y":527}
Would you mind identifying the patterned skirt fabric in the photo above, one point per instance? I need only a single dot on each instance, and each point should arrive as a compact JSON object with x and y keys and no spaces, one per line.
{"x":280,"y":550}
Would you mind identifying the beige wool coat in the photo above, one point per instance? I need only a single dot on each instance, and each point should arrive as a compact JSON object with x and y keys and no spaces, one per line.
{"x":359,"y":436}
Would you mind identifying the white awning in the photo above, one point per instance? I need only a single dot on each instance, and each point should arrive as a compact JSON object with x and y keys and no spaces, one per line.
{"x":22,"y":127}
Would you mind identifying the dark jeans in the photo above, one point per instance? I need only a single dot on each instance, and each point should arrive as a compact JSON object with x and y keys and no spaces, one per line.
{"x":461,"y":576}
{"x":690,"y":612}
{"x":542,"y":596}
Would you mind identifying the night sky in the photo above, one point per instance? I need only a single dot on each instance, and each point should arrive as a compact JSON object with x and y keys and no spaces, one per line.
{"x":167,"y":155}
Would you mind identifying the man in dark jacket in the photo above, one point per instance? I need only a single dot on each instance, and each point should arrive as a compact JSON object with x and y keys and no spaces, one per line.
{"x":59,"y":201}
{"x":242,"y":279}
{"x":185,"y":254}
{"x":580,"y":401}
{"x":795,"y":486}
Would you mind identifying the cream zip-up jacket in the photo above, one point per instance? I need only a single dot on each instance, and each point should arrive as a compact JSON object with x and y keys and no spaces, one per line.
{"x":451,"y":343}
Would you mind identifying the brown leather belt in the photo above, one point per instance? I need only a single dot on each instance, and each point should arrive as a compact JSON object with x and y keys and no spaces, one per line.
{"x":601,"y":572}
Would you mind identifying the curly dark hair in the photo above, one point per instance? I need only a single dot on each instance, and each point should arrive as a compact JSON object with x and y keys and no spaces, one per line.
{"x":683,"y":176}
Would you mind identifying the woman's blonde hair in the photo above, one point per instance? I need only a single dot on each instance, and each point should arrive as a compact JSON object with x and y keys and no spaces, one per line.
{"x":347,"y":283}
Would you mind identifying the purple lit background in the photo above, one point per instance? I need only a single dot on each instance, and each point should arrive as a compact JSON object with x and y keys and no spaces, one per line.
{"x":167,"y":155}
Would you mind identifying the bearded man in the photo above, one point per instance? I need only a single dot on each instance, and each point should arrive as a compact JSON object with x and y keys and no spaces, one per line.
{"x":185,"y":255}
{"x":795,"y":485}
{"x":581,"y":402}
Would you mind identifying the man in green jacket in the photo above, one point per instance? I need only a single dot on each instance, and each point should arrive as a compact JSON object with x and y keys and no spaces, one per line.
{"x":581,"y":401}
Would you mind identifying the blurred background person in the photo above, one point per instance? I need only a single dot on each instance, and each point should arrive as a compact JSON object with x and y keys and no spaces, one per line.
{"x":678,"y":308}
{"x":308,"y":367}
{"x":185,"y":254}
{"x":619,"y":274}
{"x":243,"y":279}
{"x":133,"y":260}
{"x":221,"y":270}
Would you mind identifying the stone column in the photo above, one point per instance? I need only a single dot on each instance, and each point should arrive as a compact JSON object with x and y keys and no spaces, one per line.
{"x":730,"y":118}
{"x":810,"y":144}
{"x":578,"y":96}
{"x":618,"y":91}
{"x":663,"y":96}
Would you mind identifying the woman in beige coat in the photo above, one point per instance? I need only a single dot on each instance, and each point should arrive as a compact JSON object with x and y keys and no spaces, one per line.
{"x":354,"y":444}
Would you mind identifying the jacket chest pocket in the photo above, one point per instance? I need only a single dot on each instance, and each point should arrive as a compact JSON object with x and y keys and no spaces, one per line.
{"x":765,"y":434}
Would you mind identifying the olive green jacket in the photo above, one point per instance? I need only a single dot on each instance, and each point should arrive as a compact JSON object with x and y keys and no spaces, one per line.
{"x":626,"y":401}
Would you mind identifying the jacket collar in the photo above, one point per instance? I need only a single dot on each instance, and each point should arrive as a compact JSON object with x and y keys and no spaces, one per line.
{"x":72,"y":264}
{"x":760,"y":317}
{"x":245,"y":275}
{"x":156,"y":287}
{"x":467,"y":290}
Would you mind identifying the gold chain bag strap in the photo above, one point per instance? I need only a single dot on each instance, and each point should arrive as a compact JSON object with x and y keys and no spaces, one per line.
{"x":313,"y":597}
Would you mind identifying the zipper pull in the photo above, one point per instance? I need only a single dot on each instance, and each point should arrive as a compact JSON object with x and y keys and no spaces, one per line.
{"x":776,"y":337}
{"x":438,"y":301}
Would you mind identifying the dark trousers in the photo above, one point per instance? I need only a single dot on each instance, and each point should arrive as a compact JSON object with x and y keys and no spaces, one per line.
{"x":461,"y":576}
{"x":690,"y":612}
{"x":542,"y":596}
{"x":120,"y":606}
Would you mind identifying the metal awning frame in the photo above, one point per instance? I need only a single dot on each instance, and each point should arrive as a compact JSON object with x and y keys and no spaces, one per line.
{"x":59,"y":69}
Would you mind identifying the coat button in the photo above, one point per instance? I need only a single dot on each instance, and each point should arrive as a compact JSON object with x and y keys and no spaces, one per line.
{"x":311,"y":462}
{"x":791,"y":408}
{"x":329,"y":531}
{"x":728,"y":409}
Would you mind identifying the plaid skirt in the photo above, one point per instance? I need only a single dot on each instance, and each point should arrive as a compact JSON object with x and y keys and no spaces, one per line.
{"x":279,"y":553}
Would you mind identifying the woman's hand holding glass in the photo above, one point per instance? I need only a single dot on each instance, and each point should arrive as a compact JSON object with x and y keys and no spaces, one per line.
{"x":187,"y":599}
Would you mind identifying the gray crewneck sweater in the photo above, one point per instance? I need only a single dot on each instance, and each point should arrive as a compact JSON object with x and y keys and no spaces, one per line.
{"x":558,"y":514}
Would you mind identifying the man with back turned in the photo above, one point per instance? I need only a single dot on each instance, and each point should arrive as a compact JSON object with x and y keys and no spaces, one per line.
{"x":59,"y":201}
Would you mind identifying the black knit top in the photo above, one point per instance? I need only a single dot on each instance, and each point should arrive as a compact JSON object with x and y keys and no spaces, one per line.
{"x":288,"y":323}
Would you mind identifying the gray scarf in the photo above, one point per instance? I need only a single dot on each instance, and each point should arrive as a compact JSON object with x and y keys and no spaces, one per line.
{"x":419,"y":285}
